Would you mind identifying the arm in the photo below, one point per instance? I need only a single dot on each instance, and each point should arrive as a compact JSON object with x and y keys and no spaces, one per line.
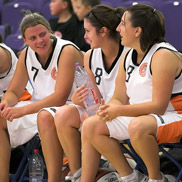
{"x":119,"y":97}
{"x":64,"y":81}
{"x":5,"y":60}
{"x":81,"y":93}
{"x":165,"y":67}
{"x":91,"y":74}
{"x":18,"y":82}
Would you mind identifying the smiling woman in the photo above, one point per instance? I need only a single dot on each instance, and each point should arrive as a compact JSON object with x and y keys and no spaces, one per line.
{"x":45,"y":61}
{"x":138,"y":109}
{"x":102,"y":64}
{"x":38,"y":38}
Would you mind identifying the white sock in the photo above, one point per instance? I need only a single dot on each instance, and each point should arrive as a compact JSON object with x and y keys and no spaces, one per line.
{"x":77,"y":173}
{"x":130,"y":177}
{"x":159,"y":180}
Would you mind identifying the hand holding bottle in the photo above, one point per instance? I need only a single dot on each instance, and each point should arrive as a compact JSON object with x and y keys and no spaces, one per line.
{"x":91,"y":101}
{"x":80,"y":95}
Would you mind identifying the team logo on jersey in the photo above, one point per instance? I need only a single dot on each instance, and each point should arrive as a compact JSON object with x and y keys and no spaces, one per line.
{"x":143,"y":69}
{"x":54,"y":73}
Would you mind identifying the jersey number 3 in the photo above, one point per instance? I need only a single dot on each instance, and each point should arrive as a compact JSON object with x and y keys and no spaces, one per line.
{"x":129,"y":72}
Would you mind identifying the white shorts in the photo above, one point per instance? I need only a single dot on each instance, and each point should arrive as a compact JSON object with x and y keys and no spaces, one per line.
{"x":21,"y":130}
{"x":80,"y":109}
{"x":118,"y":128}
{"x":169,"y":127}
{"x":52,"y":110}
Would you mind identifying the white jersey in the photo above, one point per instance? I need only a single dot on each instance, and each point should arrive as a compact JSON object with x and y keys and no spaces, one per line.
{"x":105,"y":78}
{"x":43,"y":78}
{"x":6,"y":77}
{"x":139,"y":78}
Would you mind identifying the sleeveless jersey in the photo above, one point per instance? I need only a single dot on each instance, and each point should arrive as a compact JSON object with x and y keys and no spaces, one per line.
{"x":43,"y":78}
{"x":139,"y":78}
{"x":105,"y":78}
{"x":6,"y":77}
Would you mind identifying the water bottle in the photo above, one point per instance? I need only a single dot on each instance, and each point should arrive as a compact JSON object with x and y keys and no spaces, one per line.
{"x":36,"y":167}
{"x":82,"y":78}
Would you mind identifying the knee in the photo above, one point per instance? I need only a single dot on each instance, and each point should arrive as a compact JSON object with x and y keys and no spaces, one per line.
{"x":45,"y":120}
{"x":65,"y":116}
{"x":89,"y":127}
{"x":136,"y":128}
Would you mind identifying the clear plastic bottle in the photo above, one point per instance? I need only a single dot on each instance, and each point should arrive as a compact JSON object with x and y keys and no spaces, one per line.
{"x":36,"y":167}
{"x":82,"y":78}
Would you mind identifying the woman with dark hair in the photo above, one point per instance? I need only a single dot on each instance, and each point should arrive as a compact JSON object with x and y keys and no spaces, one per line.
{"x":147,"y":101}
{"x":102,"y":63}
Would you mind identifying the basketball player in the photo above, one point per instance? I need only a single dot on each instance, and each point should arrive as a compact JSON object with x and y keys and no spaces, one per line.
{"x":48,"y":62}
{"x":146,"y":103}
{"x":101,"y":63}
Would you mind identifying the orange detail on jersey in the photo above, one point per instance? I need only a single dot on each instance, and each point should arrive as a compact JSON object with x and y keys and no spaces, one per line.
{"x":143,"y":69}
{"x":25,"y":96}
{"x":54,"y":73}
{"x":170,"y":133}
{"x":177,"y":103}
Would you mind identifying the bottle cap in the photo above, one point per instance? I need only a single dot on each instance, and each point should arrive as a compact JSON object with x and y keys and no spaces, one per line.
{"x":36,"y":150}
{"x":77,"y":64}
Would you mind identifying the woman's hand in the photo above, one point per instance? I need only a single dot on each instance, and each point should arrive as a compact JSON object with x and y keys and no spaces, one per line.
{"x":10,"y":113}
{"x":80,"y":95}
{"x":3,"y":105}
{"x":107,"y":112}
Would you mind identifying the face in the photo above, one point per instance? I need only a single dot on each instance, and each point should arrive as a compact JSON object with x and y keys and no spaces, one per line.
{"x":126,"y":30}
{"x":80,"y":9}
{"x":56,"y":7}
{"x":91,"y":35}
{"x":38,"y":38}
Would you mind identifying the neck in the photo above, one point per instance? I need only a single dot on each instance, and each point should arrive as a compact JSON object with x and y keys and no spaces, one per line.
{"x":43,"y":58}
{"x":140,"y":55}
{"x":110,"y":54}
{"x":64,"y":16}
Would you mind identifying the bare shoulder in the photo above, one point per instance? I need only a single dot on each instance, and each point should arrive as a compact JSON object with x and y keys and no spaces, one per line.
{"x":5,"y":54}
{"x":87,"y":55}
{"x":22,"y":54}
{"x":164,"y":53}
{"x":165,"y":58}
{"x":71,"y":52}
{"x":70,"y":49}
{"x":5,"y":60}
